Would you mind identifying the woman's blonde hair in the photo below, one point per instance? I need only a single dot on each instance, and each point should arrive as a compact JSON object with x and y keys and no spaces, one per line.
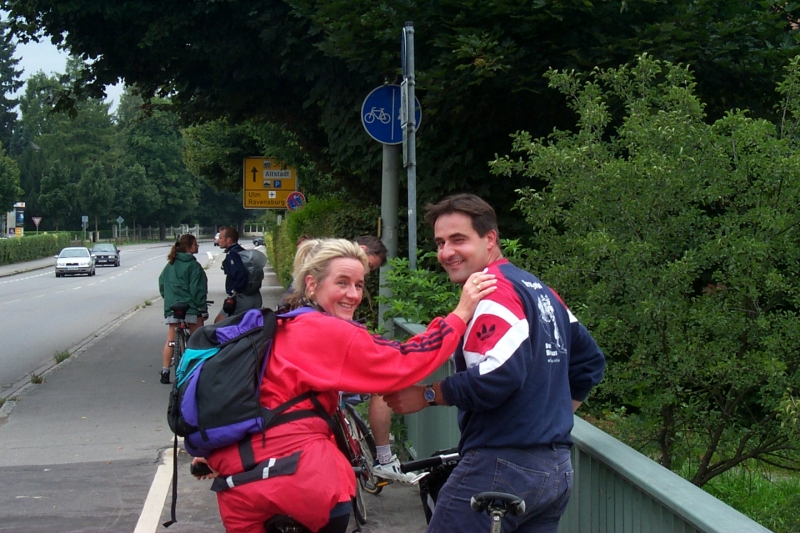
{"x":312,"y":259}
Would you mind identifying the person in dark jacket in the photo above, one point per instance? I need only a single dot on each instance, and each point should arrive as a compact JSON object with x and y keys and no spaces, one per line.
{"x":237,"y":278}
{"x":524,"y":366}
{"x":182,"y":280}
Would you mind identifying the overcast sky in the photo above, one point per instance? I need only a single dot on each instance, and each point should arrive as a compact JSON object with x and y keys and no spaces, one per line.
{"x":45,"y":57}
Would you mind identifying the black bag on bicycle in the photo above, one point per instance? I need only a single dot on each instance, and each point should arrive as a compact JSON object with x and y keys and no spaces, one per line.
{"x":430,"y":485}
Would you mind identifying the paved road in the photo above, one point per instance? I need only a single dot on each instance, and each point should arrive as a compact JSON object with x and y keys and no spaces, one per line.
{"x":89,"y":450}
{"x":65,"y":312}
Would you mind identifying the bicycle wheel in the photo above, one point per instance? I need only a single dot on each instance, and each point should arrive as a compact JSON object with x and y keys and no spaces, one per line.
{"x":178,"y":347}
{"x":359,"y":507}
{"x":367,"y":450}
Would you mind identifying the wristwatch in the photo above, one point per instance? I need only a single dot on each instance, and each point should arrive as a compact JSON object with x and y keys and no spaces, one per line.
{"x":430,"y":395}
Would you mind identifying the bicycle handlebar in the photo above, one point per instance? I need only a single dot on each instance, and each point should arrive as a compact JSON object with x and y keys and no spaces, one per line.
{"x":429,"y":462}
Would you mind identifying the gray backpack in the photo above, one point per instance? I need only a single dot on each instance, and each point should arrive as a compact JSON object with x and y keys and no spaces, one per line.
{"x":254,"y":261}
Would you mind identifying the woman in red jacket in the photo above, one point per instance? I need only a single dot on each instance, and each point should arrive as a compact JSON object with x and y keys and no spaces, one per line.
{"x":324,"y":351}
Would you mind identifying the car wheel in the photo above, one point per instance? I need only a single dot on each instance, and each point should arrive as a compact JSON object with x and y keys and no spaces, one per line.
{"x":58,"y":275}
{"x":117,"y":263}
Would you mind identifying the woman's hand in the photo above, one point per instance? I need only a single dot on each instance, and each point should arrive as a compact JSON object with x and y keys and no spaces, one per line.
{"x":478,"y":286}
{"x":201,"y":460}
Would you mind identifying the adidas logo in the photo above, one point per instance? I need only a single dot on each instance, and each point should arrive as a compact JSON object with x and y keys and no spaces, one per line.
{"x":485,"y":333}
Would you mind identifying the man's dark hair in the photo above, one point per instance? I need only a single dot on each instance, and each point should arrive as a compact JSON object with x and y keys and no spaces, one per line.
{"x":301,"y":239}
{"x":230,"y":232}
{"x":481,"y":213}
{"x":374,"y":246}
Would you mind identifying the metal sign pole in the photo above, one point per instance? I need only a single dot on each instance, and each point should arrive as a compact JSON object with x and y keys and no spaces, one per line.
{"x":411,"y":145}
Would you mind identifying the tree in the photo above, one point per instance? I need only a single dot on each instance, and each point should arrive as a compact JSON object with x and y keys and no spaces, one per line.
{"x":45,"y":140}
{"x":59,"y":197}
{"x":676,"y":241}
{"x":136,"y":195}
{"x":154,"y":142}
{"x":9,"y":84}
{"x":96,"y":193}
{"x":305,"y":66}
{"x":10,"y":191}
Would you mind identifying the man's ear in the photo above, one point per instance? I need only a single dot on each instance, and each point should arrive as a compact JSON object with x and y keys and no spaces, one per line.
{"x":491,"y":240}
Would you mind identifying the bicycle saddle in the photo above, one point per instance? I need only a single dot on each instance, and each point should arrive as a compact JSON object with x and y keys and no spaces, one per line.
{"x":179,"y":309}
{"x":498,"y":500}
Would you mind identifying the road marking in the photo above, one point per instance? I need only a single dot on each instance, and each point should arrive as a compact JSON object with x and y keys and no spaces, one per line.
{"x":154,"y":503}
{"x":76,"y":288}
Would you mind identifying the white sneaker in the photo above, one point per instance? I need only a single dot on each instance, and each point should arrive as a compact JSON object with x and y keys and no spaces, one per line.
{"x":391,"y":470}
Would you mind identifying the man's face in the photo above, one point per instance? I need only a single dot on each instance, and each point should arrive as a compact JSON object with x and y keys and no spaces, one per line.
{"x":374,"y":262}
{"x":460,"y":250}
{"x":224,"y":240}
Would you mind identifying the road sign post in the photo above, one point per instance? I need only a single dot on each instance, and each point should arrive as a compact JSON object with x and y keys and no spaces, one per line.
{"x":36,"y":222}
{"x":267,"y":183}
{"x":410,"y":125}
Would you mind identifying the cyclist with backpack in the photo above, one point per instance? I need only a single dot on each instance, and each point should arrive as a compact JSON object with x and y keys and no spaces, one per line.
{"x":182,"y":280}
{"x":299,"y":469}
{"x":244,"y":272}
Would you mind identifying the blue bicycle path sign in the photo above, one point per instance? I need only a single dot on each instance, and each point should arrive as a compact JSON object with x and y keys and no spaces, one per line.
{"x":380,"y":114}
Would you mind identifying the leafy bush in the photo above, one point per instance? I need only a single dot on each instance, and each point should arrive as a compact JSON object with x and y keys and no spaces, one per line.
{"x":321,"y":217}
{"x":676,"y":241}
{"x":32,"y":247}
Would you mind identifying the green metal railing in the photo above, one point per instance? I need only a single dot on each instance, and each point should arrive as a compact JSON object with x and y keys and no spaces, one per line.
{"x":616,"y":490}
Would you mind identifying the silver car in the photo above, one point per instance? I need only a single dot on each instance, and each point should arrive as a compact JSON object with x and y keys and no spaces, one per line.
{"x":75,"y":260}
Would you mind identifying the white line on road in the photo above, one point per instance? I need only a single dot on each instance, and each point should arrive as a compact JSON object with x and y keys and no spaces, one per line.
{"x":154,"y":503}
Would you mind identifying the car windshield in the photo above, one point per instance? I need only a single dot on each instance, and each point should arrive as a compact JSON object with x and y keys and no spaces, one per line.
{"x":103,"y":248}
{"x":74,"y":252}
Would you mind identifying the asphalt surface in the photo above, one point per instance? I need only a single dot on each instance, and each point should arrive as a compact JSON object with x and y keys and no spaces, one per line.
{"x":89,"y":450}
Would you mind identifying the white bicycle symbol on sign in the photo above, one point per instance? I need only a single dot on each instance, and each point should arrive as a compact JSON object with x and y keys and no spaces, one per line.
{"x":377,"y":113}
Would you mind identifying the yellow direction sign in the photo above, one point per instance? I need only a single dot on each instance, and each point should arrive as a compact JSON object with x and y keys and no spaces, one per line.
{"x":267,"y":183}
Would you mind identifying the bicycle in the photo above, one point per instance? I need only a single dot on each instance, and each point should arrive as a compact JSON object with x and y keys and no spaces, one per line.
{"x":181,"y":331}
{"x":361,"y":451}
{"x":436,"y":471}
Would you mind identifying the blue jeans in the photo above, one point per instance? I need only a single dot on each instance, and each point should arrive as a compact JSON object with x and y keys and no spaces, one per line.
{"x":541,"y":476}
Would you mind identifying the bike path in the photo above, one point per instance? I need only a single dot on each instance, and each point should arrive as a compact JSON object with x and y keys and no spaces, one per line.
{"x":89,"y":450}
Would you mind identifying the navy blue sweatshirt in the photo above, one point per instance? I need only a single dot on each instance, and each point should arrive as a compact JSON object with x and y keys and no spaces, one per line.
{"x":522,"y":361}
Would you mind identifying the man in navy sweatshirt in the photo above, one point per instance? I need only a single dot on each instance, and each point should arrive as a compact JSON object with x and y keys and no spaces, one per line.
{"x":524,"y":366}
{"x":237,"y":278}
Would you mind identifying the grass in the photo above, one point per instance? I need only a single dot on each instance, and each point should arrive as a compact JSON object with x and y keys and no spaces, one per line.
{"x":148,"y":303}
{"x":36,"y":379}
{"x":61,"y":356}
{"x":9,"y":399}
{"x":770,"y":498}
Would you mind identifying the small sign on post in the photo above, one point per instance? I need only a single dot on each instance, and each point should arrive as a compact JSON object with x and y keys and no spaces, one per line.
{"x":36,"y":221}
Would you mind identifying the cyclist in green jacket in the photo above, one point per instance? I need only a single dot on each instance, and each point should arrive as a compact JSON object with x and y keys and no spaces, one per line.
{"x":182,"y":280}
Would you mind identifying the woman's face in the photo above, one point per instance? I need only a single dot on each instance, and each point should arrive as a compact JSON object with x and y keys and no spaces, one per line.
{"x":342,"y":288}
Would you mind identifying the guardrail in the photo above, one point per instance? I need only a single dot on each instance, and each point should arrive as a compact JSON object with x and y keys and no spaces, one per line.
{"x":616,"y":489}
